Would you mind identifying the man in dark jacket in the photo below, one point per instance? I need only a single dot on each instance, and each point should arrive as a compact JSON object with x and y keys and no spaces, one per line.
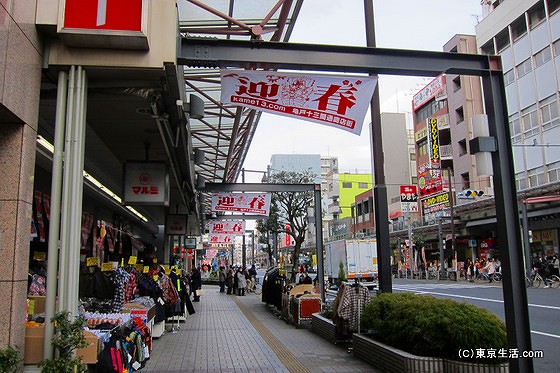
{"x":196,"y":284}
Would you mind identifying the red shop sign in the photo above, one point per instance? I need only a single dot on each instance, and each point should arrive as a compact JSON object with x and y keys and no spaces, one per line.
{"x":124,"y":15}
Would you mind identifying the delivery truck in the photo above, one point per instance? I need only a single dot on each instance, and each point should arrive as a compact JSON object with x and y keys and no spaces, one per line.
{"x":358,"y":257}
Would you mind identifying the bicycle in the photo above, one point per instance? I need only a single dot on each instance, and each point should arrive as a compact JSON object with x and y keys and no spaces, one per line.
{"x":536,"y":280}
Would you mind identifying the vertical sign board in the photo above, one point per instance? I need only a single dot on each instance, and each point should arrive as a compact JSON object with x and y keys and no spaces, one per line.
{"x":409,"y":198}
{"x":176,"y":225}
{"x":123,"y":15}
{"x":146,"y":183}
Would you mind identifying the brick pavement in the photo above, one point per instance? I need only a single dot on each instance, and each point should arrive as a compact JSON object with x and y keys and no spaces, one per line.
{"x":231,"y":334}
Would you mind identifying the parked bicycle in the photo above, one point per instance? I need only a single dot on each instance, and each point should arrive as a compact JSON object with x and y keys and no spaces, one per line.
{"x":536,"y":280}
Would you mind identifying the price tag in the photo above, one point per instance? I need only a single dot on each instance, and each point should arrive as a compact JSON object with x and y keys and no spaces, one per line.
{"x":106,"y":267}
{"x":179,"y":271}
{"x":154,"y":260}
{"x":167,"y":269}
{"x":156,"y":277}
{"x":39,"y":256}
{"x":92,"y":262}
{"x":146,"y":269}
{"x":140,"y":267}
{"x":132,"y":260}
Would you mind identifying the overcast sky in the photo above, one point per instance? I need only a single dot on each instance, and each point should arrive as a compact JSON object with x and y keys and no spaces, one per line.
{"x":403,"y":24}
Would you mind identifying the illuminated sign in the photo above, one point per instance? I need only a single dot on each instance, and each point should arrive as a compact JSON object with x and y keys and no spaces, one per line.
{"x":146,"y":183}
{"x":436,"y":88}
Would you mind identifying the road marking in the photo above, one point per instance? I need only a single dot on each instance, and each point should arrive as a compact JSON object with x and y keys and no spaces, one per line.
{"x":546,"y":334}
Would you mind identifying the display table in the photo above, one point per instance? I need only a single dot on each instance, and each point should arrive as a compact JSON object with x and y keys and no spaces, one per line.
{"x":305,"y":306}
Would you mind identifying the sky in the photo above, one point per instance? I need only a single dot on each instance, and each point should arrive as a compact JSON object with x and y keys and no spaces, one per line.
{"x":401,"y":24}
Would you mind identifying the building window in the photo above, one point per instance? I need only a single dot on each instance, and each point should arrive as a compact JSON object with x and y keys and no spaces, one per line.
{"x":347,"y":184}
{"x":423,"y":147}
{"x":554,"y":172}
{"x":553,"y":6}
{"x":465,"y":180}
{"x":530,"y":120}
{"x":542,"y":56}
{"x":536,"y":176}
{"x":524,"y":68}
{"x":459,"y":115}
{"x":502,"y":40}
{"x":412,"y":157}
{"x":488,"y":48}
{"x":518,"y":28}
{"x":509,"y":77}
{"x":462,"y":147}
{"x":549,"y":112}
{"x":414,"y":180}
{"x":457,"y":83}
{"x":515,"y":127}
{"x":556,"y":47}
{"x":536,"y":14}
{"x":521,"y":181}
{"x":362,"y":185}
{"x":430,"y":108}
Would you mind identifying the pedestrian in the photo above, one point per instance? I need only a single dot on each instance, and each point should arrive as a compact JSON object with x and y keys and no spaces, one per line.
{"x":555,"y":265}
{"x":196,"y":284}
{"x":229,"y":280}
{"x":241,"y":282}
{"x":222,"y":276}
{"x":490,"y":269}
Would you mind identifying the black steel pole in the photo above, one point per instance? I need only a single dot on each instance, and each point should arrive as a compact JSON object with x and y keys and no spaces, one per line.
{"x":379,"y":189}
{"x":319,"y":241}
{"x":508,"y":229}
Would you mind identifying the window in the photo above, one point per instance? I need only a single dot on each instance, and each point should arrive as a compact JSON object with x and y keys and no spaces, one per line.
{"x":347,"y":184}
{"x":414,"y":180}
{"x":515,"y":127}
{"x":488,"y":48}
{"x":553,"y":6}
{"x":509,"y":77}
{"x":521,"y":181}
{"x":536,"y":14}
{"x":536,"y":176}
{"x":362,"y":185}
{"x":530,"y":120}
{"x":518,"y":28}
{"x":542,"y":56}
{"x":412,"y":157}
{"x":554,"y":172}
{"x":556,"y":48}
{"x":459,"y":115}
{"x":549,"y":112}
{"x":457,"y":83}
{"x":423,"y":147}
{"x":465,"y":180}
{"x":524,"y":68}
{"x":502,"y":40}
{"x":462,"y":147}
{"x":430,"y":108}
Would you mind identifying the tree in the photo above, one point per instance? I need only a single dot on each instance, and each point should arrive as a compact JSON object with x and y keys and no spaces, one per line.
{"x":267,"y":227}
{"x":291,"y":208}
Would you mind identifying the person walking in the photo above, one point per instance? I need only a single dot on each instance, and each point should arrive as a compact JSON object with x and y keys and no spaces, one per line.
{"x":490,"y":269}
{"x":222,"y":276}
{"x":196,"y":284}
{"x":241,"y":281}
{"x":229,"y":280}
{"x":555,"y":265}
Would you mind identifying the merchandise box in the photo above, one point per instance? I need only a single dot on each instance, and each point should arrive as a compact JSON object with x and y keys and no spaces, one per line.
{"x":89,"y":354}
{"x":127,"y":307}
{"x":36,"y":304}
{"x":34,"y":336}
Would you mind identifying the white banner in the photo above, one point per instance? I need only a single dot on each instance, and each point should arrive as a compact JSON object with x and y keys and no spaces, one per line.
{"x":339,"y":101}
{"x":176,"y":224}
{"x":253,"y":203}
{"x":226,"y":226}
{"x":220,"y":238}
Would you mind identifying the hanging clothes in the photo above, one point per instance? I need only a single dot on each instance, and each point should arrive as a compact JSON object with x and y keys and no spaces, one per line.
{"x":351,"y":306}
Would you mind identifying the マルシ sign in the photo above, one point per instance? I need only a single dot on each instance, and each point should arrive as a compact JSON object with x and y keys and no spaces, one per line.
{"x":339,"y":101}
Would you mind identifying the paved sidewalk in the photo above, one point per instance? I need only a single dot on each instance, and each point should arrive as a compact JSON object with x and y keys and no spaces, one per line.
{"x":239,"y":334}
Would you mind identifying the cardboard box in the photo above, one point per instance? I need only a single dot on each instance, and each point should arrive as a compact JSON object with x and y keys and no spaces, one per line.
{"x":89,"y":354}
{"x":34,"y":336}
{"x":39,"y":304}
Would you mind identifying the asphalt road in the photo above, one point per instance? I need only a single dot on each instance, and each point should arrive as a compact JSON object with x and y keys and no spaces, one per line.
{"x":544,"y":311}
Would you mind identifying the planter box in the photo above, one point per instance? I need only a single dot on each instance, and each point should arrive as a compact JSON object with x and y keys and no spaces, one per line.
{"x":390,"y":359}
{"x":326,"y":328}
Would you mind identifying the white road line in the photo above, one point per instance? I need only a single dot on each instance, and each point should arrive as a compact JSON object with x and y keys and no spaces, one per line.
{"x":546,"y":334}
{"x":475,"y":298}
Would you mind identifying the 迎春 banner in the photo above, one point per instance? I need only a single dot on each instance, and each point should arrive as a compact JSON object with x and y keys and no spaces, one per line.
{"x":226,"y":226}
{"x":253,"y":203}
{"x":339,"y":101}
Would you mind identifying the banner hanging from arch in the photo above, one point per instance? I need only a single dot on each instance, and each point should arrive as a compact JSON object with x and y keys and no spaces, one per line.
{"x":339,"y":101}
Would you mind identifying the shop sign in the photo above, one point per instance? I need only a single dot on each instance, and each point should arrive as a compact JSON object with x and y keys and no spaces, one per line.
{"x":339,"y":101}
{"x":409,"y":198}
{"x":433,"y":143}
{"x":421,"y":134}
{"x":234,"y":227}
{"x":436,"y":88}
{"x":190,"y":244}
{"x":146,"y":183}
{"x":176,"y":225}
{"x":216,"y":239}
{"x":435,"y":205}
{"x":124,"y":15}
{"x":543,"y":236}
{"x":253,"y":203}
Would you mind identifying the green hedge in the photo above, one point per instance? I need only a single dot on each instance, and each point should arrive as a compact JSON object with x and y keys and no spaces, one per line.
{"x":429,"y":326}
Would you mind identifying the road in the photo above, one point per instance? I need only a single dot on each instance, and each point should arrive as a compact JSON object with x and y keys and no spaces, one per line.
{"x":544,"y":311}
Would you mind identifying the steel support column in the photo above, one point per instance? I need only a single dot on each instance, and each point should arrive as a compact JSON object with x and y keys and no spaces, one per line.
{"x":515,"y":292}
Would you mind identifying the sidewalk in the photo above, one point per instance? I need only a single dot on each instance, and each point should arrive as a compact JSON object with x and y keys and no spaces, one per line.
{"x":239,"y":334}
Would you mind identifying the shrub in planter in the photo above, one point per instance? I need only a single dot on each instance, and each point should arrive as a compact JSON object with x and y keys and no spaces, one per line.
{"x":429,"y":326}
{"x":10,"y":360}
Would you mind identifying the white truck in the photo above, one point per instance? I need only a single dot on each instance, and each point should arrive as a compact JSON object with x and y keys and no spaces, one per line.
{"x":358,"y":257}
